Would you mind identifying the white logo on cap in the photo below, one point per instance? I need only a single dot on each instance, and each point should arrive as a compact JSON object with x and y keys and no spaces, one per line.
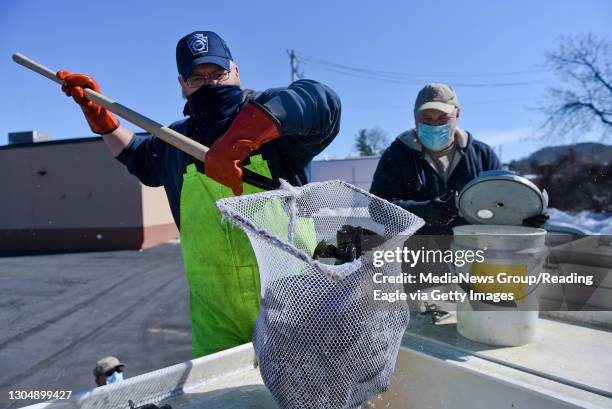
{"x":198,"y":43}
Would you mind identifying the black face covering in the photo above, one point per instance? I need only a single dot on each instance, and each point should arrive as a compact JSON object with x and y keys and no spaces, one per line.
{"x":212,"y":109}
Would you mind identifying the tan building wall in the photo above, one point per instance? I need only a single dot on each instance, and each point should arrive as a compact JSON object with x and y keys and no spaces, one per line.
{"x":156,"y":215}
{"x":73,"y":195}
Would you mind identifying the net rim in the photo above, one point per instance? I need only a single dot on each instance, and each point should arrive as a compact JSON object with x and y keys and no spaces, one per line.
{"x":334,"y":272}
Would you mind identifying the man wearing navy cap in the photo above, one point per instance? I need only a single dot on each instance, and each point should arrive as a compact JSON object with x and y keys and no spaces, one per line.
{"x":274,"y":134}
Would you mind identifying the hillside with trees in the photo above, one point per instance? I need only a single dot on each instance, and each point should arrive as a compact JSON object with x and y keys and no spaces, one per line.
{"x":577,"y":177}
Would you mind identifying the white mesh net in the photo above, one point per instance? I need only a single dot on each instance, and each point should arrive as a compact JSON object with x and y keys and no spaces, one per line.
{"x":321,"y":340}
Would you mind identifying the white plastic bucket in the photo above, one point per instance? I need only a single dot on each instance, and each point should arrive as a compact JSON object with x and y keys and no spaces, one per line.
{"x":514,"y":250}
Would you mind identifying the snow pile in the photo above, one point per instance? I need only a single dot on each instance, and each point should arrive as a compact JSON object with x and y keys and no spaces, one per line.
{"x":593,"y":223}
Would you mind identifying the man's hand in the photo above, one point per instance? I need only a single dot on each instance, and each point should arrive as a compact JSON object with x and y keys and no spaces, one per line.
{"x":252,"y":127}
{"x":100,"y":120}
{"x":440,"y":211}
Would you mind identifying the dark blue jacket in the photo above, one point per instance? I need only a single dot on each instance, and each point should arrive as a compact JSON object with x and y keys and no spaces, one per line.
{"x":405,"y":177}
{"x":309,"y":115}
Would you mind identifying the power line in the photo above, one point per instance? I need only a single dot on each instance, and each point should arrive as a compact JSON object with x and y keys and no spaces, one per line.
{"x":464,"y":102}
{"x":416,"y":79}
{"x":420,"y":82}
{"x":404,"y":74}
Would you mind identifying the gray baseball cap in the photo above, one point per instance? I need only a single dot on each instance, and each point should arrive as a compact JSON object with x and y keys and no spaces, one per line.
{"x":106,"y":364}
{"x":437,"y":96}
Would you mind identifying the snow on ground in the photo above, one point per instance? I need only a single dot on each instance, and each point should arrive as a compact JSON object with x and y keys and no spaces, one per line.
{"x":594,"y":223}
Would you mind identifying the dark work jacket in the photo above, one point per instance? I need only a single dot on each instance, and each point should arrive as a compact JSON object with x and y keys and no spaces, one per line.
{"x":405,"y":177}
{"x":309,"y":116}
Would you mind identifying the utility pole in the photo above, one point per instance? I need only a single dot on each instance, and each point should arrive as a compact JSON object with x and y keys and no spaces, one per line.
{"x":293,"y":60}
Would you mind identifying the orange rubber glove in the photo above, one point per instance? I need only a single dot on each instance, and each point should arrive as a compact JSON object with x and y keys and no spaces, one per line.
{"x":252,"y":127}
{"x":100,"y":120}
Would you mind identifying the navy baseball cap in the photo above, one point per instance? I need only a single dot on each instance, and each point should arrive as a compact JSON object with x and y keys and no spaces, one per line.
{"x":201,"y":47}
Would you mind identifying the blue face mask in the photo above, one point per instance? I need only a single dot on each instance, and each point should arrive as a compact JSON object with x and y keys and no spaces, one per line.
{"x":434,"y":138}
{"x":115,"y":377}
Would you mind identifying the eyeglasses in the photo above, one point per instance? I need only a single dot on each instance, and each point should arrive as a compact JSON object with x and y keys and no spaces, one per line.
{"x":196,"y":81}
{"x":110,"y":372}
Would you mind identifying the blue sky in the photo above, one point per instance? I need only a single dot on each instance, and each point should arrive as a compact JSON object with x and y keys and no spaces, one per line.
{"x":129,"y":48}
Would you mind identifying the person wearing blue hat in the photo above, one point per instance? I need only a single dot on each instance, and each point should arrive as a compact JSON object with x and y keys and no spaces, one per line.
{"x":273,"y":134}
